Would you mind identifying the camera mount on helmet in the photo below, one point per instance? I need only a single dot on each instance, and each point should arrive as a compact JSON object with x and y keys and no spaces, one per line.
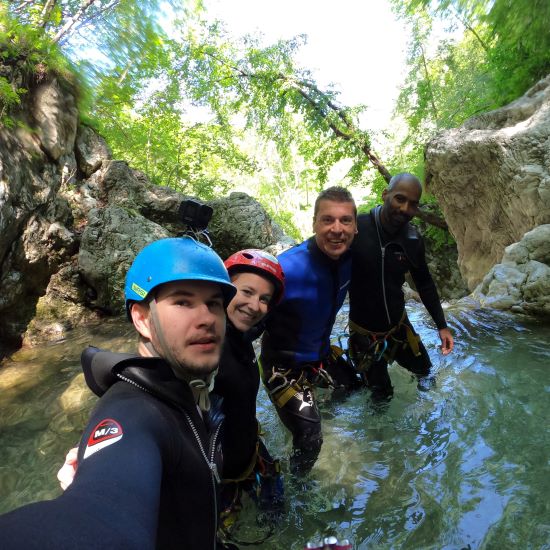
{"x":195,"y":216}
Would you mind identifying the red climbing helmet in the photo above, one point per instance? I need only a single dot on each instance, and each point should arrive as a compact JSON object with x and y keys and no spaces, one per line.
{"x":262,"y":263}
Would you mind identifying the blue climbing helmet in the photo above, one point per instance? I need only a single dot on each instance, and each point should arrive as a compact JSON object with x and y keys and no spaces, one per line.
{"x":176,"y":259}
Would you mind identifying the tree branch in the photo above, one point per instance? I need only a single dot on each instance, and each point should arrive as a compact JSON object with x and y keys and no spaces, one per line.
{"x":431,"y":218}
{"x":72,"y":21}
{"x":45,"y":13}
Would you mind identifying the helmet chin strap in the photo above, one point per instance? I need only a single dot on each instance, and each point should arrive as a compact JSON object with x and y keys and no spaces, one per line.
{"x":200,"y":386}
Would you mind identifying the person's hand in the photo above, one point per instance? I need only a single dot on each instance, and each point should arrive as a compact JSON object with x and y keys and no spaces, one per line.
{"x":447,"y":341}
{"x":68,"y":470}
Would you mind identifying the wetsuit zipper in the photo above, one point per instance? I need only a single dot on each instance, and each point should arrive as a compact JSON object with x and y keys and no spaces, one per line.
{"x":214,"y":475}
{"x":383,"y":251}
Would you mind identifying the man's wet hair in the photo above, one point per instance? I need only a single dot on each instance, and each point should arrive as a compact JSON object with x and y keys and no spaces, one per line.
{"x":335,"y":194}
{"x":401,"y":176}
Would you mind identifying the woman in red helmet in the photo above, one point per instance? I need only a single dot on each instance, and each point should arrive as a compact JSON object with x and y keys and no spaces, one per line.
{"x":259,"y":280}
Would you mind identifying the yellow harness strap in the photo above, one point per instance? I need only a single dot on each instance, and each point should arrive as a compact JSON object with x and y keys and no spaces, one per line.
{"x":282,"y":398}
{"x":412,"y":338}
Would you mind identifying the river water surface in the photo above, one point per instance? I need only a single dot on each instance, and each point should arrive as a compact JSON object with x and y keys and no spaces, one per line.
{"x":463,"y":466}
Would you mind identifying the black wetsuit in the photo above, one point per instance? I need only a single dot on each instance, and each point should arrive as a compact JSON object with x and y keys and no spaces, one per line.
{"x":380,"y":262}
{"x":238,"y":381}
{"x":146,"y":468}
{"x":247,"y":464}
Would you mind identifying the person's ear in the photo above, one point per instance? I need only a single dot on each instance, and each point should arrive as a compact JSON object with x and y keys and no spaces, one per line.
{"x":384,"y":194}
{"x":140,"y":317}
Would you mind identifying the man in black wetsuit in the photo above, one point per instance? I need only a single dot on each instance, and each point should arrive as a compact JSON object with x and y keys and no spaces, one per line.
{"x":386,"y":247}
{"x":149,"y":457}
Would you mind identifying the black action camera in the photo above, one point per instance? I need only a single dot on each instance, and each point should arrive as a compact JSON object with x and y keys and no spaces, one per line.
{"x":194,"y":214}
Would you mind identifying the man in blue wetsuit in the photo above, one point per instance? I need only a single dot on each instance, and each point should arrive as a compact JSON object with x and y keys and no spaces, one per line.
{"x":386,"y":248}
{"x":149,"y":457}
{"x":296,"y":352}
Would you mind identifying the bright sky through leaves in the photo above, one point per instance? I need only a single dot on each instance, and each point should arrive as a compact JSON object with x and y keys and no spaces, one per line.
{"x":356,"y":44}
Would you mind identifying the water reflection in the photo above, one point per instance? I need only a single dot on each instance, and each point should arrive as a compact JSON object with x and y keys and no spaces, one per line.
{"x":462,"y":466}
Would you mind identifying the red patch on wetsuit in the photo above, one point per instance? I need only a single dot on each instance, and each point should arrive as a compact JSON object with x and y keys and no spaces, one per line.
{"x":106,"y":433}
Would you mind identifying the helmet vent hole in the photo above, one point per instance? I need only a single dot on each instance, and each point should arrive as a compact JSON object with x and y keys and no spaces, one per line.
{"x":248,"y":256}
{"x":149,"y":279}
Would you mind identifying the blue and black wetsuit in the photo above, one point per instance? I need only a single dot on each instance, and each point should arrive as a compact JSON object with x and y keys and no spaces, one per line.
{"x":380,"y":262}
{"x":296,"y":343}
{"x":147,"y":468}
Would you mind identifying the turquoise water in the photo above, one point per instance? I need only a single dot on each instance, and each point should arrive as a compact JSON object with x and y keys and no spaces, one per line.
{"x":463,"y":466}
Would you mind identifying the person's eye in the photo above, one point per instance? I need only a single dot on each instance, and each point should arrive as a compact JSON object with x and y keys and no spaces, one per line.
{"x":183,"y":303}
{"x":265,"y":299}
{"x":246,"y":291}
{"x":215,"y":305}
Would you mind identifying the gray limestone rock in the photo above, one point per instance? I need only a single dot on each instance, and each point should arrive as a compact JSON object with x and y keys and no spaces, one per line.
{"x":492,"y":179}
{"x":239,"y":221}
{"x":56,"y":116}
{"x":91,"y":150}
{"x":521,"y":282}
{"x":110,"y":242}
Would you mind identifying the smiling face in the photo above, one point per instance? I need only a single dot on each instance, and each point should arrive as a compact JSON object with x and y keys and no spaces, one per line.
{"x":191,"y":316}
{"x":400,"y":203}
{"x":334,"y":226}
{"x":251,"y":303}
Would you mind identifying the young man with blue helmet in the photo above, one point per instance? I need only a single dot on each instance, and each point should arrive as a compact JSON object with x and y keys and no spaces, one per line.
{"x":149,"y":457}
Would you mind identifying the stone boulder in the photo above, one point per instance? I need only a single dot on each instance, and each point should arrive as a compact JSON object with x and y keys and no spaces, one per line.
{"x":36,"y":234}
{"x":110,"y":242}
{"x":90,"y":150}
{"x":491,"y":178}
{"x":239,"y":221}
{"x":72,"y":218}
{"x":56,"y":117}
{"x":521,"y":282}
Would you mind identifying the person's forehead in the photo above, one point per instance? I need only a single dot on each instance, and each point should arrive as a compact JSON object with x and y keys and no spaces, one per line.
{"x":190,"y":288}
{"x":335,"y":208}
{"x":408,"y":187}
{"x":252,"y":279}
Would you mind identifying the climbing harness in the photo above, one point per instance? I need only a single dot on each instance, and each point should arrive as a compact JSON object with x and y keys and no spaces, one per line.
{"x":374,"y":346}
{"x":283,"y":385}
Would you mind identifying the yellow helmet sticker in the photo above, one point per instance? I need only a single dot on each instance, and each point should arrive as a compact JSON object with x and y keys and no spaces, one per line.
{"x":139,"y":291}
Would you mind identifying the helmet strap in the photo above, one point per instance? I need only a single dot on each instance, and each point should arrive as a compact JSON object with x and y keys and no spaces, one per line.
{"x":200,"y":386}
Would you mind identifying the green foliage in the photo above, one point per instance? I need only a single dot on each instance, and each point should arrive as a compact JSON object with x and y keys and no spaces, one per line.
{"x":503,"y":50}
{"x":439,"y":238}
{"x":285,"y":220}
{"x":278,"y":100}
{"x":27,"y":56}
{"x":368,"y":205}
{"x":9,"y":97}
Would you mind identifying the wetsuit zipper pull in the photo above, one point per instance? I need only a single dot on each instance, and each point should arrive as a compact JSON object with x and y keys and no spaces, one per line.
{"x":214,"y":468}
